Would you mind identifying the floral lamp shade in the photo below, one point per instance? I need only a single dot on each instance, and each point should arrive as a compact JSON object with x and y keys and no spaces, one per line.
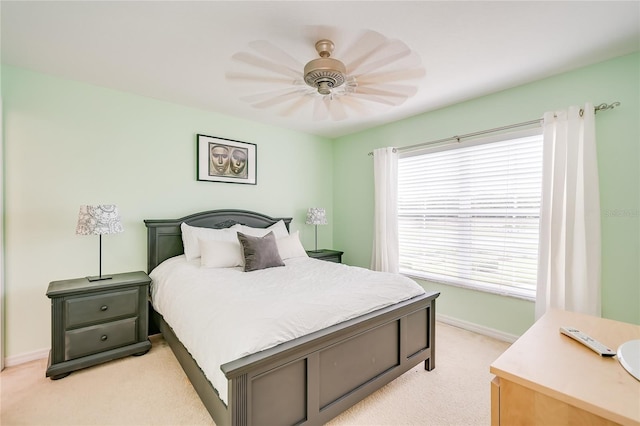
{"x":316,"y":216}
{"x":99,"y":220}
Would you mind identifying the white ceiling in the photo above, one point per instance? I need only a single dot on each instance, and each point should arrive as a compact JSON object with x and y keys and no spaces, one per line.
{"x":179,"y":51}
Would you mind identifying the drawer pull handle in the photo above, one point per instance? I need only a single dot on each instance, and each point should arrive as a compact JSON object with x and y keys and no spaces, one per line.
{"x":104,"y":308}
{"x":103,"y":337}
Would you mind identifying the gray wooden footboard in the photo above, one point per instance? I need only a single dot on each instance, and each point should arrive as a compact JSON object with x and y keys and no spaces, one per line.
{"x":314,"y":378}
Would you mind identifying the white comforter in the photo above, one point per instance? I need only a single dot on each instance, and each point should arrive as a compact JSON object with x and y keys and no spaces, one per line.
{"x":222,"y":314}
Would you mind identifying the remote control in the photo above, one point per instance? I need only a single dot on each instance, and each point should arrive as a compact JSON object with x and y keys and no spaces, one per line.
{"x":586,"y":340}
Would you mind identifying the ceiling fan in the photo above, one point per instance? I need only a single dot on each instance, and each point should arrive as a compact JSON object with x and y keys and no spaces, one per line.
{"x":372,"y":74}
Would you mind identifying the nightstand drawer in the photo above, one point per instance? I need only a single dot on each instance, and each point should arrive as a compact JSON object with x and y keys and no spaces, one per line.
{"x":100,"y":307}
{"x":326,"y":255}
{"x":99,"y":338}
{"x":336,"y":259}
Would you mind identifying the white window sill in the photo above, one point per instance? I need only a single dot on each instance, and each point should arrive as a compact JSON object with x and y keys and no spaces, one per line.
{"x":493,"y":289}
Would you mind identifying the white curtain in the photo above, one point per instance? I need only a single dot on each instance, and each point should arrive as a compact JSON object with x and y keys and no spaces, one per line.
{"x":569,"y":251}
{"x":385,"y":237}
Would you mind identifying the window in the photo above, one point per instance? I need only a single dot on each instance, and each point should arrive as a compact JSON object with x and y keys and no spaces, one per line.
{"x":469,"y":214}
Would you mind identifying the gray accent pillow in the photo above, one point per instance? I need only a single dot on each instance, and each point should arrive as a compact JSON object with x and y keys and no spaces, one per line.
{"x":259,"y":252}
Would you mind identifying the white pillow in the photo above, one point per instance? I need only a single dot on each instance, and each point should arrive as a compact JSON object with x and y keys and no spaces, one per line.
{"x":290,"y":246}
{"x":220,"y":254}
{"x":279,"y":230}
{"x":191,"y":235}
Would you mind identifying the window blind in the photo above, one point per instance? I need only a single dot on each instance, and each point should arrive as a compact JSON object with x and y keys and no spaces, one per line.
{"x":470,"y":215}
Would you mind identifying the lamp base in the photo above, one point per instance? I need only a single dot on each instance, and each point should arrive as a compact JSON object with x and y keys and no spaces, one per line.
{"x":99,"y":278}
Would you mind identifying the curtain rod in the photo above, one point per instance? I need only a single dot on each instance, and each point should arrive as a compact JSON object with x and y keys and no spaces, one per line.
{"x":601,"y":107}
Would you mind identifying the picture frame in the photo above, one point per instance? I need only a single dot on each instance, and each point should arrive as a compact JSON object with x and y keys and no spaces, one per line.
{"x":226,"y":160}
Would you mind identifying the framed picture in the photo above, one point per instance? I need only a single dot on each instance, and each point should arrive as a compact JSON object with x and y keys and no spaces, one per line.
{"x":226,"y":160}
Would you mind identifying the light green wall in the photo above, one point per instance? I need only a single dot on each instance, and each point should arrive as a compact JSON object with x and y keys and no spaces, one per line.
{"x":68,"y":144}
{"x":618,"y":136}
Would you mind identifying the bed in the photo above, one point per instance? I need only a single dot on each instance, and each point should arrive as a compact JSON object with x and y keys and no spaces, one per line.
{"x":309,"y":379}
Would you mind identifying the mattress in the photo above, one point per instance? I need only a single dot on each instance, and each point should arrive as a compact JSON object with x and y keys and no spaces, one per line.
{"x":222,"y":314}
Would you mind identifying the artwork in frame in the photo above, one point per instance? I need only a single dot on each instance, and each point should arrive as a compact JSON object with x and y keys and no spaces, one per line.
{"x":226,"y":160}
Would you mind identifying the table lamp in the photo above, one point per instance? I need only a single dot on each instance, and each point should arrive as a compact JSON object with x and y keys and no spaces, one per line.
{"x":316,"y":216}
{"x":99,"y":220}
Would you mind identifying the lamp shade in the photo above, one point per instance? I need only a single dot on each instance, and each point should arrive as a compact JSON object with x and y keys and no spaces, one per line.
{"x":99,"y":220}
{"x":316,"y":216}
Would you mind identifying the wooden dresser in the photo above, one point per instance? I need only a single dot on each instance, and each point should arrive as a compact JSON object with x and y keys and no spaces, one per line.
{"x":546,"y":378}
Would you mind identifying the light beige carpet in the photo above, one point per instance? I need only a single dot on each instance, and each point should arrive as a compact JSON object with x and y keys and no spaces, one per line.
{"x":153,"y":390}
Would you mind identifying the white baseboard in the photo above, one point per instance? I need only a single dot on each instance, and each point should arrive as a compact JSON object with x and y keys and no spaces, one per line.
{"x":476,"y":328}
{"x":14,"y":360}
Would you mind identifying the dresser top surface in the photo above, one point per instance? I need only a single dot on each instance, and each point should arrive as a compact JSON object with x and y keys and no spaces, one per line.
{"x":553,"y":364}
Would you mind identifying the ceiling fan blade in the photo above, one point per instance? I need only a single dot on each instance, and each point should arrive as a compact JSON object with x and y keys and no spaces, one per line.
{"x":393,"y":101}
{"x":320,"y":109}
{"x":393,"y":90}
{"x":398,"y":50}
{"x":385,"y":77}
{"x":361,"y":50}
{"x":276,"y":54}
{"x":336,"y":109}
{"x":355,"y":105}
{"x":256,"y":61}
{"x":297,"y":105}
{"x":277,"y":99}
{"x":264,"y":96}
{"x":235,"y":76}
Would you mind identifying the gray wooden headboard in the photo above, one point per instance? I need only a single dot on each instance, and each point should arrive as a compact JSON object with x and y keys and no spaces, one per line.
{"x":164,"y":238}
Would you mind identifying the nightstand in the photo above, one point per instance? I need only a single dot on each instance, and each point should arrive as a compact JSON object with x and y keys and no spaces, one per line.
{"x":328,"y":255}
{"x":95,"y":322}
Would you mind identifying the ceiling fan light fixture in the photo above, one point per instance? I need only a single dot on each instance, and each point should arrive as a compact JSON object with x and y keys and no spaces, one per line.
{"x":324,"y":73}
